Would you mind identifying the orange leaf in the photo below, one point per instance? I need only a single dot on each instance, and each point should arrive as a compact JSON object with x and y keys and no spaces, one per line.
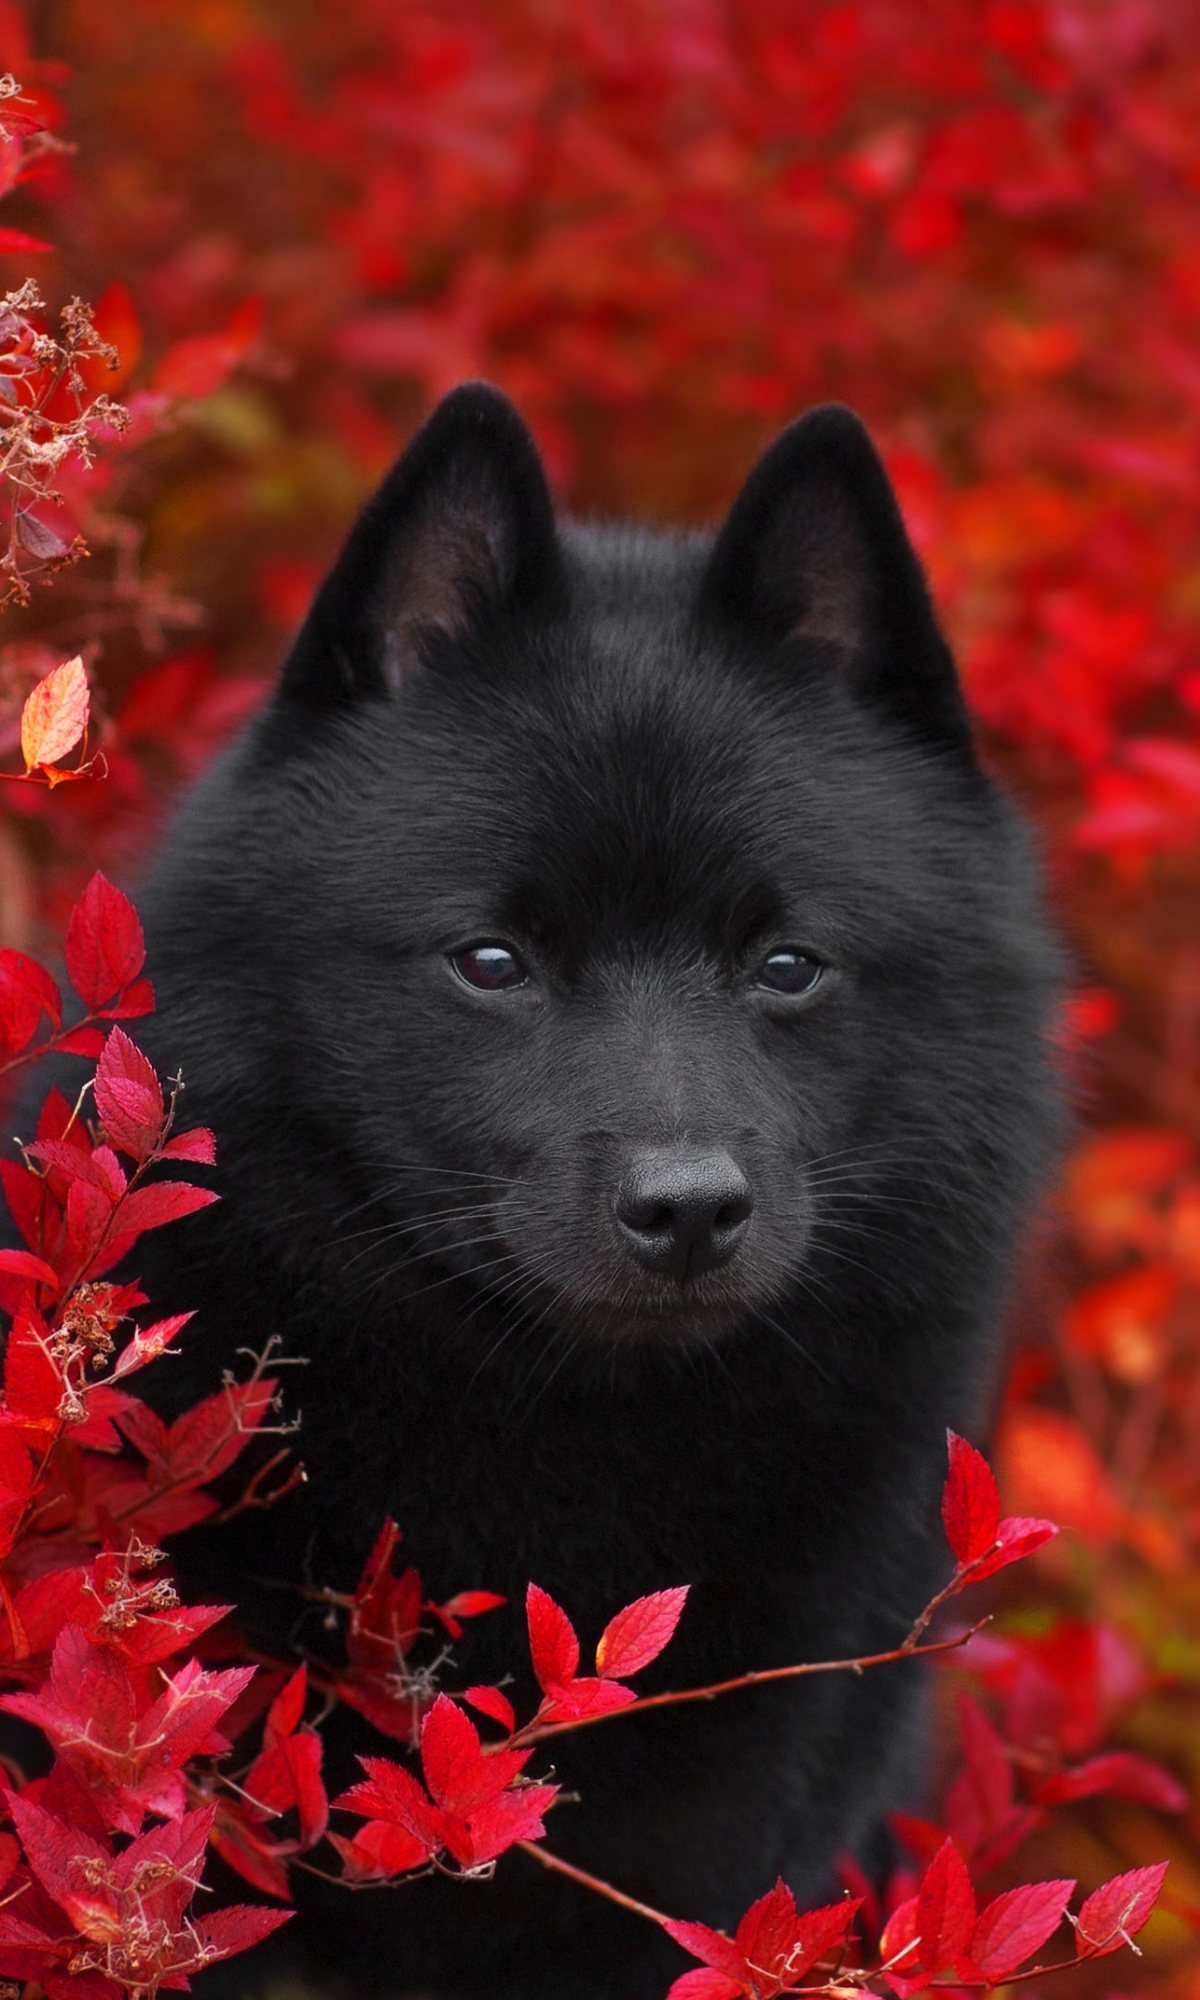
{"x":55,"y":715}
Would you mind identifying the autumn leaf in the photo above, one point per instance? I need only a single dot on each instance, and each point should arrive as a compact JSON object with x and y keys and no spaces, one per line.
{"x":55,"y":716}
{"x":633,"y":1638}
{"x":970,"y":1502}
{"x":26,"y":993}
{"x":128,"y":1097}
{"x":638,"y":1634}
{"x":104,"y":949}
{"x":981,"y":1541}
{"x":474,"y":1810}
{"x":1016,"y":1925}
{"x":772,"y":1950}
{"x":1116,"y":1912}
{"x":945,"y":1910}
{"x":553,"y":1646}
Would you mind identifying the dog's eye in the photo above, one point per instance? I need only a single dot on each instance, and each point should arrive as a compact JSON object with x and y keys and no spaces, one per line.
{"x":789,"y":972}
{"x":490,"y":967}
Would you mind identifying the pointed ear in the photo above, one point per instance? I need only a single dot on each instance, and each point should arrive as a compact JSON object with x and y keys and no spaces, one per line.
{"x":461,"y":533}
{"x":815,"y":551}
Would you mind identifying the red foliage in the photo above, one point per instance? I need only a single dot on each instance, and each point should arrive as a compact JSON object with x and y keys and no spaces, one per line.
{"x":629,"y":1641}
{"x":772,"y":1949}
{"x":475,"y":1808}
{"x":672,"y":227}
{"x":982,"y":1542}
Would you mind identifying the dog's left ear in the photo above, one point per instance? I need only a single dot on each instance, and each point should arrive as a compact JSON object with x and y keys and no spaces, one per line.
{"x":815,"y":550}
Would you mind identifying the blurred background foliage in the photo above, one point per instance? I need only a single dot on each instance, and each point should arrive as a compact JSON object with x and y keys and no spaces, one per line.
{"x":664,"y":227}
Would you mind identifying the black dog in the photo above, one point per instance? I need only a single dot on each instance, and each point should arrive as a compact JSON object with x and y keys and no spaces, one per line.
{"x":620,"y":999}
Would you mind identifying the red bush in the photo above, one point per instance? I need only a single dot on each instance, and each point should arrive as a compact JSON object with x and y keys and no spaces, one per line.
{"x":661,"y":229}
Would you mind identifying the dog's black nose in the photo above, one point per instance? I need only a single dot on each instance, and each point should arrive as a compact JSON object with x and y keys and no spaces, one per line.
{"x":683,"y":1213}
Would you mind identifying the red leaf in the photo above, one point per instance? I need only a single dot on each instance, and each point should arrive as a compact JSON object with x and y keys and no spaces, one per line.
{"x":385,"y":1616}
{"x":201,"y":362}
{"x":499,"y":1823}
{"x":26,"y":993}
{"x":1117,"y":1910}
{"x":239,"y":1843}
{"x":764,"y":1935}
{"x":148,"y":1343}
{"x":899,"y":1948}
{"x":166,"y":1201}
{"x":970,"y":1501}
{"x":198,"y":1145}
{"x":585,"y":1696}
{"x":97,"y":1165}
{"x":128,"y":1096}
{"x":981,"y":1798}
{"x":232,"y":1930}
{"x":490,"y":1701}
{"x":945,"y":1910}
{"x":104,"y":948}
{"x":391,"y":1793}
{"x":206,"y":1440}
{"x":710,"y":1947}
{"x":471,"y":1603}
{"x":136,"y":1000}
{"x":303,"y":1753}
{"x":287,"y":1710}
{"x":1016,"y":1925}
{"x":1118,"y":1774}
{"x":267,"y":1787}
{"x":60,"y":1856}
{"x":638,"y":1634}
{"x":452,"y":1760}
{"x":378,"y":1851}
{"x":81,"y":1042}
{"x":553,"y":1646}
{"x":181,"y":1721}
{"x":33,"y":1386}
{"x":818,"y":1932}
{"x":705,"y":1984}
{"x":26,"y":1266}
{"x":1017,"y":1538}
{"x":148,"y":1208}
{"x":15,"y":242}
{"x":158,"y":1636}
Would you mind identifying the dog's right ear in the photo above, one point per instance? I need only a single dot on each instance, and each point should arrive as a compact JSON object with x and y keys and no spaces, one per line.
{"x":460,"y":534}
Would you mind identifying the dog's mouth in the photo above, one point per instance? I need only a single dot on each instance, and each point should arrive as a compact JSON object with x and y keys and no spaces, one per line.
{"x":637,"y":1308}
{"x":590,"y":1289}
{"x":682,"y":1322}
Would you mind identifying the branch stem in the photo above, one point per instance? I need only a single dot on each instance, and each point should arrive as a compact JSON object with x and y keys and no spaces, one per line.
{"x":535,"y":1732}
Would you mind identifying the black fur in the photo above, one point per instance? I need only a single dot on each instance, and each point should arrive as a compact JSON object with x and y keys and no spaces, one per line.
{"x":645,"y":762}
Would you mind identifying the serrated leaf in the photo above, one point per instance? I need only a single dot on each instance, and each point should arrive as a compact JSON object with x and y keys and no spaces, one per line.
{"x":945,"y":1909}
{"x":1016,"y":1925}
{"x":553,"y":1646}
{"x":26,"y":993}
{"x":490,"y":1701}
{"x":639,"y":1633}
{"x":23,"y":1264}
{"x":198,"y":1145}
{"x":970,"y":1501}
{"x":55,"y":715}
{"x":104,"y":947}
{"x":710,"y":1947}
{"x":128,"y":1096}
{"x":1116,"y":1911}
